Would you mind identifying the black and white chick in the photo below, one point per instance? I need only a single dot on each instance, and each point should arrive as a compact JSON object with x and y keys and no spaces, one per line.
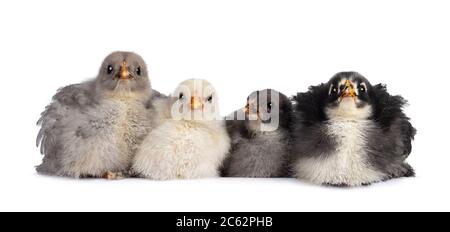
{"x":350,"y":133}
{"x":94,"y":128}
{"x":260,"y":136}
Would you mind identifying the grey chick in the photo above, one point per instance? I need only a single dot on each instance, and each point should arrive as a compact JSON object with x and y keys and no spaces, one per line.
{"x":94,"y":128}
{"x":260,"y":135}
{"x":350,"y":133}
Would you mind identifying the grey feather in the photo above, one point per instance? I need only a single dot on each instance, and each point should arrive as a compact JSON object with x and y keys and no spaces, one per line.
{"x":96,"y":126}
{"x":256,"y":153}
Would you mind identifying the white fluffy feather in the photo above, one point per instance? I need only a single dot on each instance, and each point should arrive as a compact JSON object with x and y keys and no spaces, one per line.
{"x":184,"y":149}
{"x":348,"y":164}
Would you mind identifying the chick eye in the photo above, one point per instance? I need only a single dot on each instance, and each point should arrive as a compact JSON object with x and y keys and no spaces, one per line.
{"x":269,"y":105}
{"x":109,"y":69}
{"x":334,"y":90}
{"x":210,"y":98}
{"x":362,"y":89}
{"x":138,"y":71}
{"x":181,"y":96}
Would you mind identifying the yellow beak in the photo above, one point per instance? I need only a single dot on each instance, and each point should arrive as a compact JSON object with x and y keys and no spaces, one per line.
{"x":124,"y":72}
{"x":196,"y":104}
{"x":349,"y":90}
{"x":247,"y":109}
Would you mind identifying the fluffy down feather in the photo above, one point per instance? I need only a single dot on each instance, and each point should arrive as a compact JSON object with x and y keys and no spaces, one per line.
{"x":258,"y":153}
{"x":351,"y":151}
{"x":89,"y":129}
{"x":184,"y":148}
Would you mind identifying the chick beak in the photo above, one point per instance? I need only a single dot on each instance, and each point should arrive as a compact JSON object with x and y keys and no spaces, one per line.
{"x":247,"y":109}
{"x":349,"y":91}
{"x":250,"y":111}
{"x":124,"y":72}
{"x":196,"y":104}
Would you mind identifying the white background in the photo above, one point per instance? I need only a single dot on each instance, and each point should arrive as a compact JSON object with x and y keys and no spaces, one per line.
{"x":240,"y":46}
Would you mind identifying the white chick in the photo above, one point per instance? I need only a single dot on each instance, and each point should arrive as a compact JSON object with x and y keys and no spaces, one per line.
{"x":191,"y":142}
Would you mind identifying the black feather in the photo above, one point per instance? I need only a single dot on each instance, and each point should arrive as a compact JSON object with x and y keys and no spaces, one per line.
{"x":387,"y":108}
{"x":388,"y":111}
{"x":310,"y":105}
{"x":389,"y":141}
